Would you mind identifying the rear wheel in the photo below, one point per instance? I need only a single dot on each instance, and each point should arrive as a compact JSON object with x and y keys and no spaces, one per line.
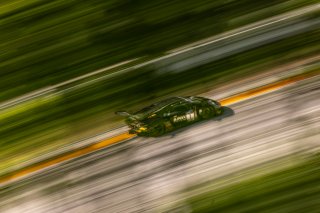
{"x":157,"y":130}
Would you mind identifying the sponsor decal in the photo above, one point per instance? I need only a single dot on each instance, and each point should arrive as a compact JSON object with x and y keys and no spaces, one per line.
{"x":190,"y":116}
{"x":179,"y":118}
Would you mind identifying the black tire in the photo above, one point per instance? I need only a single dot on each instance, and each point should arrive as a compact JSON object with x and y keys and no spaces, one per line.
{"x":219,"y":111}
{"x":206,"y":112}
{"x":157,"y":130}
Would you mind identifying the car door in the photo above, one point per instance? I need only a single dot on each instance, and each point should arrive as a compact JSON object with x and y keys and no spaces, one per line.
{"x":181,"y":114}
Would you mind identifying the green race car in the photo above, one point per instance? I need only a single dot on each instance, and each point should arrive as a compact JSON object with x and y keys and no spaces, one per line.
{"x":170,"y":114}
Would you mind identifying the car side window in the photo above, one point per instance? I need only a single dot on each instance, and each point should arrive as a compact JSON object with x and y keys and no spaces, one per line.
{"x":175,"y":109}
{"x":180,"y":108}
{"x":166,"y":111}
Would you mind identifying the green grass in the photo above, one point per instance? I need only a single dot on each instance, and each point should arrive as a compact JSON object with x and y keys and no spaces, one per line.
{"x":294,"y":189}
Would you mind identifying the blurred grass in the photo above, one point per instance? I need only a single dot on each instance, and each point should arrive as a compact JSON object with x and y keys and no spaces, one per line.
{"x":46,"y":42}
{"x":293,"y":189}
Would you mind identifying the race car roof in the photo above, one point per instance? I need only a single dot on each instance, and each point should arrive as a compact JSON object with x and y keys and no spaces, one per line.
{"x":156,"y":106}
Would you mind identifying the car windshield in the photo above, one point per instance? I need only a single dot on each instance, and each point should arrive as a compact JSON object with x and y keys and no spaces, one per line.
{"x":156,"y":106}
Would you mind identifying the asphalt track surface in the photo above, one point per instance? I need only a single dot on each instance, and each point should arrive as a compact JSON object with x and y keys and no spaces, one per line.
{"x":142,"y":174}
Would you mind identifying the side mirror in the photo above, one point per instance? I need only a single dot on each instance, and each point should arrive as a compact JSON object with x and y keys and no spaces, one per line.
{"x":122,"y":113}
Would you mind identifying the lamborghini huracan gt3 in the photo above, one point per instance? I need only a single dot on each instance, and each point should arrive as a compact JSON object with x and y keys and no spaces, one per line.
{"x":170,"y":114}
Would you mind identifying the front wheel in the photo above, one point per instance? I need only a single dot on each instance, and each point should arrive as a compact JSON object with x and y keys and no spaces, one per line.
{"x":219,"y":111}
{"x":205,"y":113}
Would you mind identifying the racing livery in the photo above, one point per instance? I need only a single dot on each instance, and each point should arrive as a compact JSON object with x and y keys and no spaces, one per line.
{"x":170,"y":114}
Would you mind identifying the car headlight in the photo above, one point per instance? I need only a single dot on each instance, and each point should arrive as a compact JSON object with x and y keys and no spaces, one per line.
{"x":214,"y":103}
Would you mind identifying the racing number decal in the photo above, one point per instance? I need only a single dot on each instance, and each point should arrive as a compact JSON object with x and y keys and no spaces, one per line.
{"x":189,"y":116}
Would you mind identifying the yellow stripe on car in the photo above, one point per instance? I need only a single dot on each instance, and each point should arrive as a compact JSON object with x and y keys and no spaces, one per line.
{"x":143,"y":128}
